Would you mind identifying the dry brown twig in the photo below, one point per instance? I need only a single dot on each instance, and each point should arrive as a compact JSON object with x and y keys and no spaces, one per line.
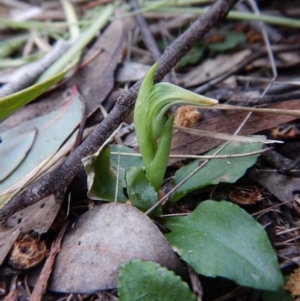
{"x":57,"y":181}
{"x":42,"y":282}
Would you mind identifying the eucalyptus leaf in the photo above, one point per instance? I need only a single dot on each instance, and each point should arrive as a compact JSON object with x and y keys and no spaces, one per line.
{"x":13,"y":151}
{"x":217,"y":170}
{"x":13,"y":102}
{"x":141,"y":194}
{"x":148,"y":281}
{"x":221,"y":239}
{"x":53,"y":130}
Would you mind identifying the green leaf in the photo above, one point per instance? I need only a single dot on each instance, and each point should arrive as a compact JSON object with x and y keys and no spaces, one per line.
{"x":143,"y":135}
{"x":281,"y":295}
{"x":165,"y":95}
{"x":147,"y":281}
{"x":18,"y":62}
{"x":193,"y":56}
{"x":141,"y":194}
{"x":125,"y":161}
{"x":231,"y":39}
{"x":101,"y":178}
{"x":9,"y":46}
{"x":153,"y":128}
{"x":157,"y":168}
{"x":53,"y":130}
{"x":71,"y":18}
{"x":221,"y":239}
{"x":11,"y":103}
{"x":101,"y":169}
{"x":217,"y":170}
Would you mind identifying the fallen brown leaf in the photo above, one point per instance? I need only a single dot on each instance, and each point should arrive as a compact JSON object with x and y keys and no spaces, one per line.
{"x":228,"y":123}
{"x":37,"y":217}
{"x":281,"y":186}
{"x":96,"y":80}
{"x":212,"y":68}
{"x":42,"y":282}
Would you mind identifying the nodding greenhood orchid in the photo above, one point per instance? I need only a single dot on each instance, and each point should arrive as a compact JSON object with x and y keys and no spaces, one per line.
{"x":152,"y":125}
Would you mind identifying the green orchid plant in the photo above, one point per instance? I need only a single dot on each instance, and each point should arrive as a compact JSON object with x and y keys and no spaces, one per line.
{"x":153,"y":126}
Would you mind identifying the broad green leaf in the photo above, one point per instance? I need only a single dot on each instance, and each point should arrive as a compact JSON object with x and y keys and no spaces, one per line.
{"x":280,"y":295}
{"x":53,"y":130}
{"x":148,"y":281}
{"x":101,"y":178}
{"x":141,"y":194}
{"x":125,"y":161}
{"x":217,"y":170}
{"x":231,"y":39}
{"x":221,"y":239}
{"x":13,"y":151}
{"x":102,"y":169}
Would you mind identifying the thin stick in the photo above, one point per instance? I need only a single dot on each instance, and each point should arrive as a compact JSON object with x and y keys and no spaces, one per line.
{"x":256,"y":110}
{"x":272,"y":61}
{"x":117,"y":180}
{"x":269,"y":208}
{"x":146,"y":33}
{"x":266,"y":99}
{"x":221,"y":136}
{"x":42,"y":282}
{"x":201,"y":157}
{"x":167,"y":196}
{"x":266,"y":80}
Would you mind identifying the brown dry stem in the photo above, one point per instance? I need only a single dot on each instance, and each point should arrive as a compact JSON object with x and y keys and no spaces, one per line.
{"x":42,"y":282}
